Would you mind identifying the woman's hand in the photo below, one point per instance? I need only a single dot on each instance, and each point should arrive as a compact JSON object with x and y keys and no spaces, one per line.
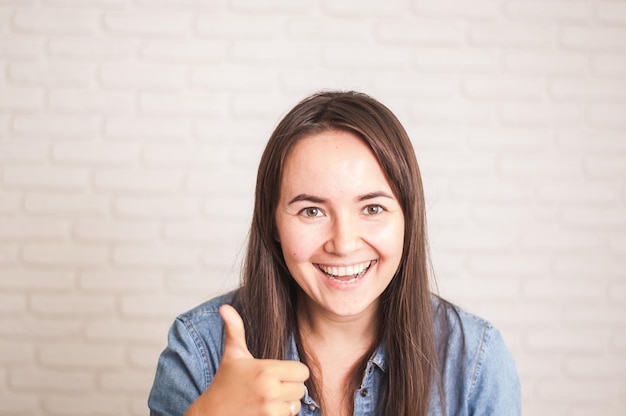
{"x":246,"y":386}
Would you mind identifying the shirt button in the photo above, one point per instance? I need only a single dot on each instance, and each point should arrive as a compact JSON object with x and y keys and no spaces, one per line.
{"x":364,"y":393}
{"x":312,"y":407}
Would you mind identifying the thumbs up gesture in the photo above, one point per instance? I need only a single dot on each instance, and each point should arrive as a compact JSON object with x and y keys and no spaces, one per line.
{"x":246,"y":386}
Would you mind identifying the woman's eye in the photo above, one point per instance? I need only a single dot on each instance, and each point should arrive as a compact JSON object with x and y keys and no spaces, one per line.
{"x":373,"y":210}
{"x":311,"y":212}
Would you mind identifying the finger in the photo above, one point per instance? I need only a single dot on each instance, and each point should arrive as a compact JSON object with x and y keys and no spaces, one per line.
{"x":291,"y":391}
{"x":286,"y":370}
{"x":235,"y":344}
{"x":293,"y":407}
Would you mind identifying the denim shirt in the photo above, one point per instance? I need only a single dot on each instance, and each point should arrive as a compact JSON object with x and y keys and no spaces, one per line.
{"x":479,"y":375}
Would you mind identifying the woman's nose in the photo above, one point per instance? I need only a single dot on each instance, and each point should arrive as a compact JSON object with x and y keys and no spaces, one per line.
{"x":344,"y":237}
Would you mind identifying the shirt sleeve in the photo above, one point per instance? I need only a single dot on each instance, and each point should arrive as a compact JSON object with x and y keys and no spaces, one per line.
{"x":495,"y":387}
{"x":182,"y":372}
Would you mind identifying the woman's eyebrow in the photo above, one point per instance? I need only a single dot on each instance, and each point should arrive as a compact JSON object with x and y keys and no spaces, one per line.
{"x":308,"y":198}
{"x":372,"y":195}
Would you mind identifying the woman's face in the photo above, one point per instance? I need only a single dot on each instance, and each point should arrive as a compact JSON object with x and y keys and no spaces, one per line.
{"x":340,"y":226}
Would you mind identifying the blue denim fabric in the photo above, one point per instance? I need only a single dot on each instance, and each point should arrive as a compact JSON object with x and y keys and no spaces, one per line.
{"x":479,"y":379}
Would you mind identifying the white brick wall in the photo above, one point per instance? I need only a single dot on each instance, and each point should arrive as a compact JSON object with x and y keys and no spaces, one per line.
{"x":130,"y":133}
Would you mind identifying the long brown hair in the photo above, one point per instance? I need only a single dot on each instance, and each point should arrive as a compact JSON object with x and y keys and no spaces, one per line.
{"x":268,"y":295}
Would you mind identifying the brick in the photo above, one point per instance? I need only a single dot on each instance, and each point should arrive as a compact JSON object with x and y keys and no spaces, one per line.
{"x":35,"y":280}
{"x":187,"y":51}
{"x":144,"y":24}
{"x":100,"y":230}
{"x":481,"y":9}
{"x":144,"y":357}
{"x":21,"y":99}
{"x":507,"y":264}
{"x":92,"y":4}
{"x":157,"y":206}
{"x":119,"y":281}
{"x":538,"y":62}
{"x":537,"y":365}
{"x":128,"y":331}
{"x":502,"y":88}
{"x":16,"y":353}
{"x":203,"y":231}
{"x":605,"y":366}
{"x":48,"y":177}
{"x":587,"y":89}
{"x":587,"y":38}
{"x":231,"y":79}
{"x":294,"y":81}
{"x":134,"y":180}
{"x":618,"y":339}
{"x":21,"y":48}
{"x":597,"y":218}
{"x":455,"y":238}
{"x":53,"y":21}
{"x":263,"y":54}
{"x":69,"y":304}
{"x":181,"y":104}
{"x":587,"y":266}
{"x":89,"y":101}
{"x":55,"y":126}
{"x":154,"y":306}
{"x":528,"y":166}
{"x":424,"y":86}
{"x":226,"y":184}
{"x":494,"y":191}
{"x":508,"y":139}
{"x":155,"y":256}
{"x":10,"y":202}
{"x":450,"y":111}
{"x":52,"y":74}
{"x":9,"y":253}
{"x":520,"y":315}
{"x":96,"y":153}
{"x":453,"y":164}
{"x":469,"y":289}
{"x":144,"y":76}
{"x":326,"y":29}
{"x":166,"y":5}
{"x":420,"y":32}
{"x":604,"y":141}
{"x":579,"y":192}
{"x":234,"y":208}
{"x":12,"y":304}
{"x":607,"y":115}
{"x":611,"y":12}
{"x":153,"y":128}
{"x":576,"y":11}
{"x":81,"y":355}
{"x":66,"y":204}
{"x":218,"y":26}
{"x":270,"y":7}
{"x":38,"y":379}
{"x":558,"y":240}
{"x":65,"y":255}
{"x":578,"y":391}
{"x":617,"y":292}
{"x":564,"y":290}
{"x":510,"y":35}
{"x":568,"y":340}
{"x":107,"y":404}
{"x":617,"y":244}
{"x":192,"y":284}
{"x":23,"y":151}
{"x":454,"y":60}
{"x":366,"y":8}
{"x":258,"y":106}
{"x":127,"y":380}
{"x":90,"y":49}
{"x":533,"y":114}
{"x":30,"y":229}
{"x":169,"y":155}
{"x":245,"y":130}
{"x":39,"y":329}
{"x":609,"y":64}
{"x":12,"y":403}
{"x":595,"y":315}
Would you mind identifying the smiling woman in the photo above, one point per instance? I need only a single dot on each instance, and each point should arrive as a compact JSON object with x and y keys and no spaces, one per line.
{"x":334,"y":314}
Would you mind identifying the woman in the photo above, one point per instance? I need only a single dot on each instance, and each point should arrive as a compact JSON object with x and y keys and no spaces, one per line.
{"x":334,"y":314}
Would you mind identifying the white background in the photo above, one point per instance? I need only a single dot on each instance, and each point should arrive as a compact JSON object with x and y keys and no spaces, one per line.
{"x":130,"y":132}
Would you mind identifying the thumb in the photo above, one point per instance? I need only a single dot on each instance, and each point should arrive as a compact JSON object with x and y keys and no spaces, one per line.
{"x":235,"y":346}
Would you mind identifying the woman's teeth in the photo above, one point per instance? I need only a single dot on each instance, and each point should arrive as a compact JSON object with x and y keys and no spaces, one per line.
{"x":340,"y":273}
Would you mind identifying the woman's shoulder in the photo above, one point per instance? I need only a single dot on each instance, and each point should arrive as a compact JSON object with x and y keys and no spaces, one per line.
{"x":205,"y":318}
{"x":454,"y":321}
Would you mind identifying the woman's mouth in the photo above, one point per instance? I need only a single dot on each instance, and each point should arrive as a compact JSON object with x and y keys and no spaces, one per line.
{"x":346,"y":274}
